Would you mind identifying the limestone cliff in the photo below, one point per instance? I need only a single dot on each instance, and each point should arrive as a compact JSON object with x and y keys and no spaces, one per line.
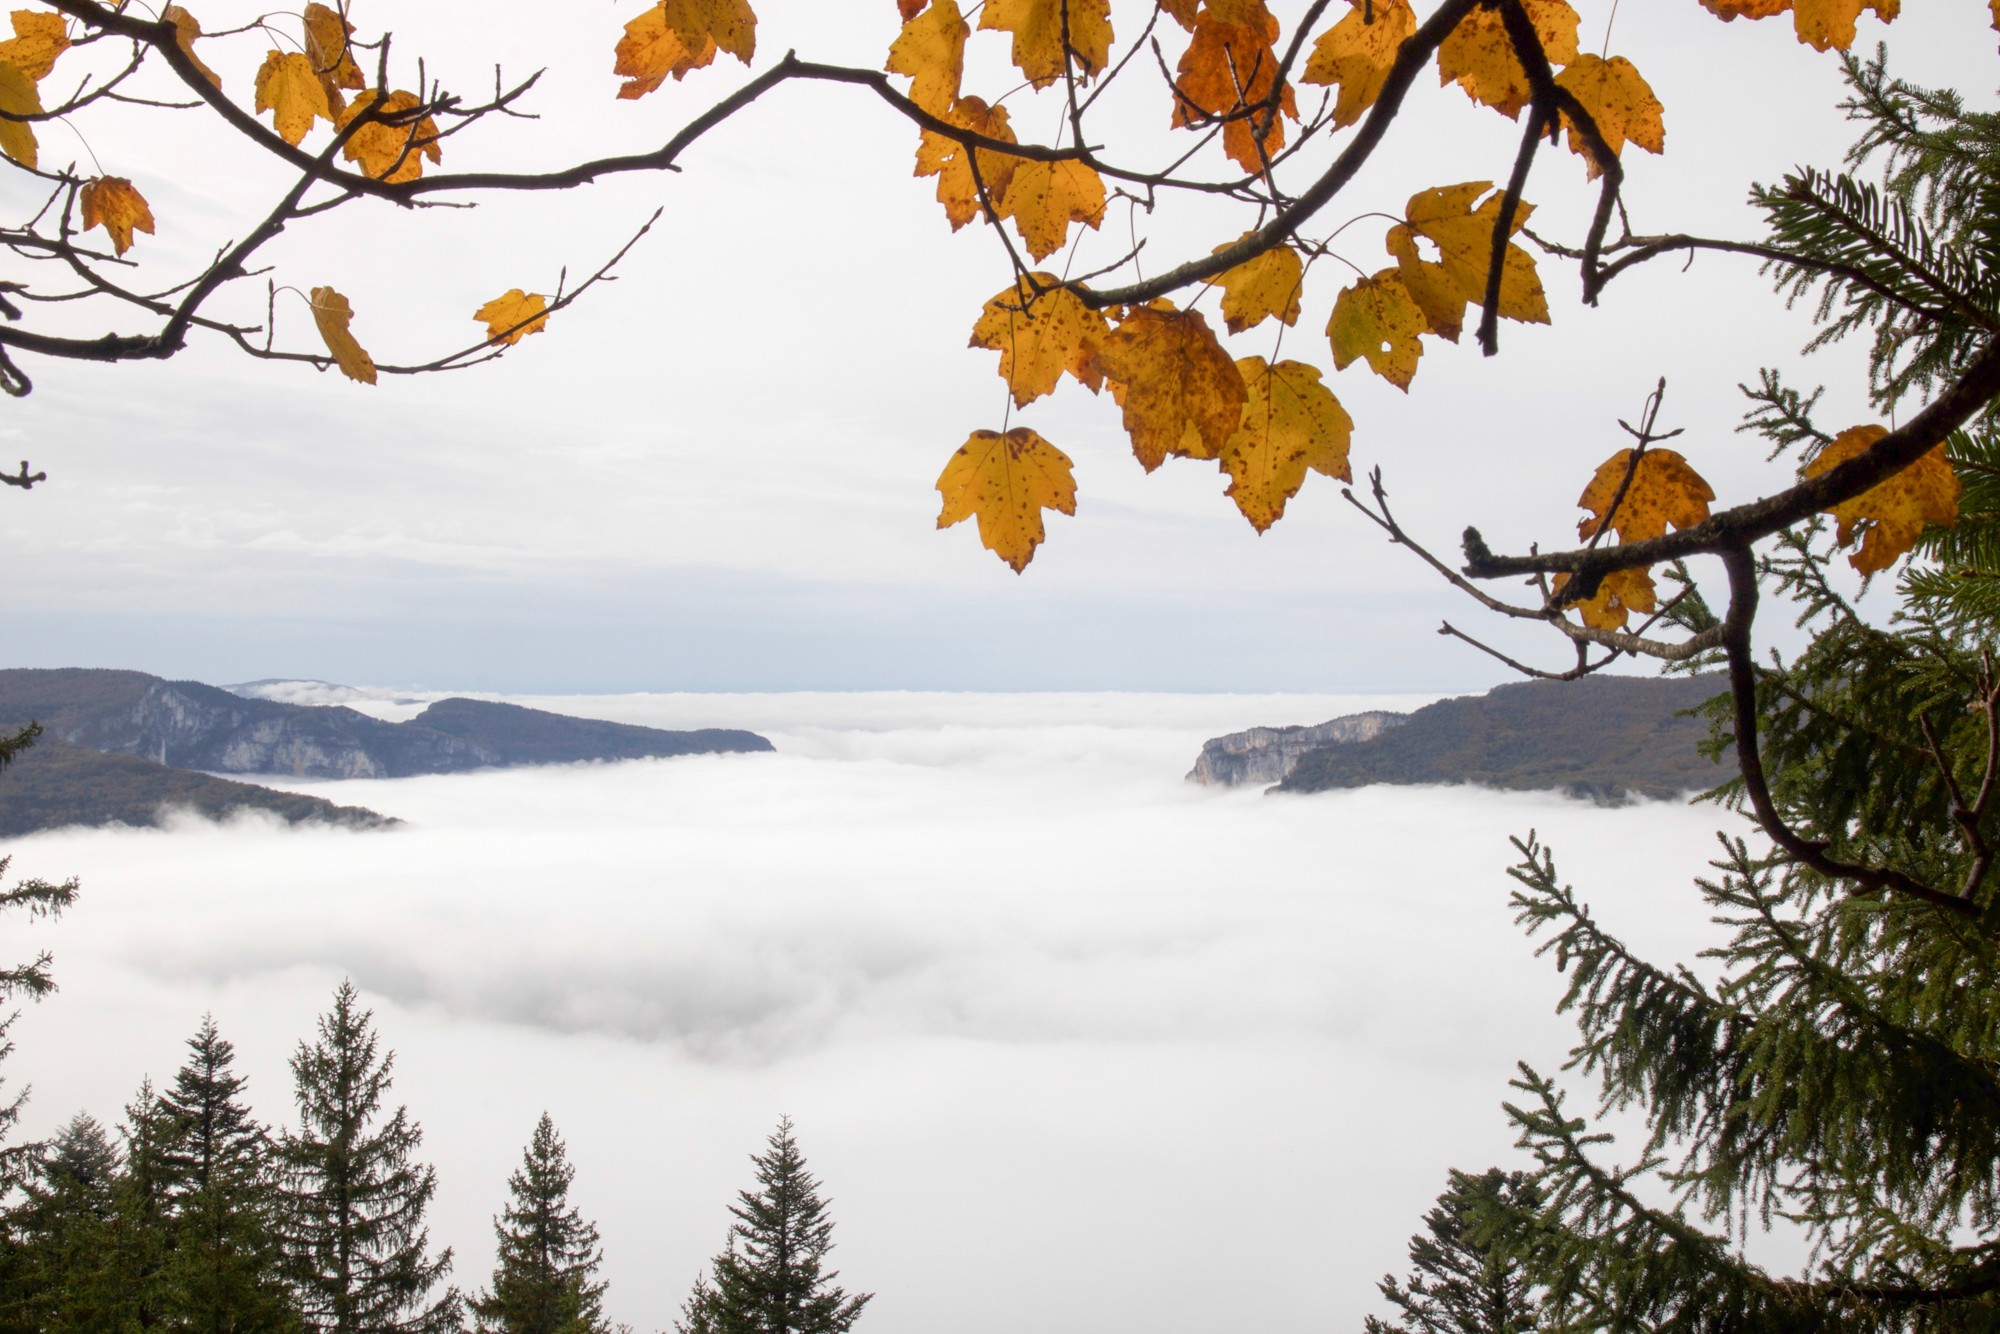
{"x":1267,"y":754}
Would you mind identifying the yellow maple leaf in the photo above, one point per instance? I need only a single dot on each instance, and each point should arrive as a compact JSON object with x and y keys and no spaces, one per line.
{"x":390,"y":152}
{"x":1291,"y":424}
{"x":111,"y":202}
{"x":1183,"y":11}
{"x":1890,"y":515}
{"x":1620,"y":102}
{"x":1665,"y":490}
{"x":953,"y":163}
{"x":1037,"y":26}
{"x":931,"y":50}
{"x":1182,"y":394}
{"x":1231,"y":67}
{"x":38,"y":39}
{"x":1479,"y":57}
{"x":290,"y":89}
{"x":1044,"y":198}
{"x":513,"y":316}
{"x":1006,"y":481}
{"x":1040,"y":336}
{"x":187,"y":29}
{"x":676,"y":36}
{"x":1463,"y":235}
{"x":332,"y":314}
{"x":18,"y":97}
{"x":332,"y":58}
{"x":1260,"y":287}
{"x":1378,"y":320}
{"x":1356,"y":54}
{"x":1618,"y":595}
{"x":650,"y":51}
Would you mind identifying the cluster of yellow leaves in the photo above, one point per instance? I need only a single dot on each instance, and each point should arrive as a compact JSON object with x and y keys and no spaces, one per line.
{"x":1890,"y":515}
{"x":1820,"y":24}
{"x":25,"y":60}
{"x":1379,"y":319}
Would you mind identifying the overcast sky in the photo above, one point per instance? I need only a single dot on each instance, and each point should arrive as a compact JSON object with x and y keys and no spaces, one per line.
{"x":718,"y":471}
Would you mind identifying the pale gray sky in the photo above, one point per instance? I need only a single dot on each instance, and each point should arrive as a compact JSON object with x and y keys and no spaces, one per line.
{"x":718,"y":471}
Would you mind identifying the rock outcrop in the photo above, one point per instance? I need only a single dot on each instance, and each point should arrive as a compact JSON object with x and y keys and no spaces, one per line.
{"x":1267,"y":754}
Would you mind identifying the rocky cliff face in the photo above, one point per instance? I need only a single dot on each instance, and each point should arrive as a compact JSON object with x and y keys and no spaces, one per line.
{"x":1267,"y":754}
{"x":188,"y":725}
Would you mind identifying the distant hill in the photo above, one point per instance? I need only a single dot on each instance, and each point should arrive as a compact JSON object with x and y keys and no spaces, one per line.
{"x":188,"y":725}
{"x":1601,"y":738}
{"x":54,"y":784}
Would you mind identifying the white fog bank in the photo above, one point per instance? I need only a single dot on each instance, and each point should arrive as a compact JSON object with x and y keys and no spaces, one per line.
{"x":1075,"y":1046}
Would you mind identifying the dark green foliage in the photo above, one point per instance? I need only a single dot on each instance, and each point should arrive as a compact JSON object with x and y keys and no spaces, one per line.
{"x":219,"y":1181}
{"x":352,"y":1215}
{"x":1459,"y":1282}
{"x":1836,"y":1062}
{"x":58,"y":785}
{"x":544,"y":1281}
{"x":769,"y":1280}
{"x":1601,"y":738}
{"x":66,"y":1228}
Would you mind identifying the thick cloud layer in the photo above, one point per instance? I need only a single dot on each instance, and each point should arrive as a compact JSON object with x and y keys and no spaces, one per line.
{"x":1074,"y":1044}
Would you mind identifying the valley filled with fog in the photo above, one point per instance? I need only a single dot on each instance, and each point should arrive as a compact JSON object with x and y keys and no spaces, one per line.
{"x":1072,"y":1043}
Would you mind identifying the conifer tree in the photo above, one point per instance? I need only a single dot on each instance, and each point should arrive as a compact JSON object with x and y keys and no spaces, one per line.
{"x":221,"y":1190}
{"x":1460,"y":1282}
{"x":66,"y":1226}
{"x":544,"y":1279}
{"x":1838,"y":1064}
{"x":142,"y":1240}
{"x":352,"y":1197}
{"x":769,"y":1280}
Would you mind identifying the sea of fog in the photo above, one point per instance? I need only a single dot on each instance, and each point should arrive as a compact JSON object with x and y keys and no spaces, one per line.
{"x":1074,"y":1045}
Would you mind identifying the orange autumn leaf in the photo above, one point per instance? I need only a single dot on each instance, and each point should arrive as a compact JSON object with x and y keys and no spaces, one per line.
{"x":187,"y":29}
{"x":1463,"y":237}
{"x":1044,"y":198}
{"x":39,"y":37}
{"x":1620,"y":102}
{"x":909,"y":9}
{"x":390,"y":152}
{"x":1618,"y":595}
{"x":18,"y":97}
{"x":1037,"y":27}
{"x":111,"y":202}
{"x":1261,"y":287}
{"x":1183,"y":11}
{"x":1041,"y":336}
{"x":931,"y":50}
{"x":1479,"y":57}
{"x":1291,"y":424}
{"x":1377,"y":320}
{"x":1181,"y":393}
{"x":953,"y":163}
{"x":1355,"y":54}
{"x":676,"y":36}
{"x":1232,"y":68}
{"x":290,"y":89}
{"x":1006,"y":481}
{"x":1821,"y":24}
{"x":1665,"y":491}
{"x":332,"y":58}
{"x":513,"y":316}
{"x":1890,"y":515}
{"x":332,"y":314}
